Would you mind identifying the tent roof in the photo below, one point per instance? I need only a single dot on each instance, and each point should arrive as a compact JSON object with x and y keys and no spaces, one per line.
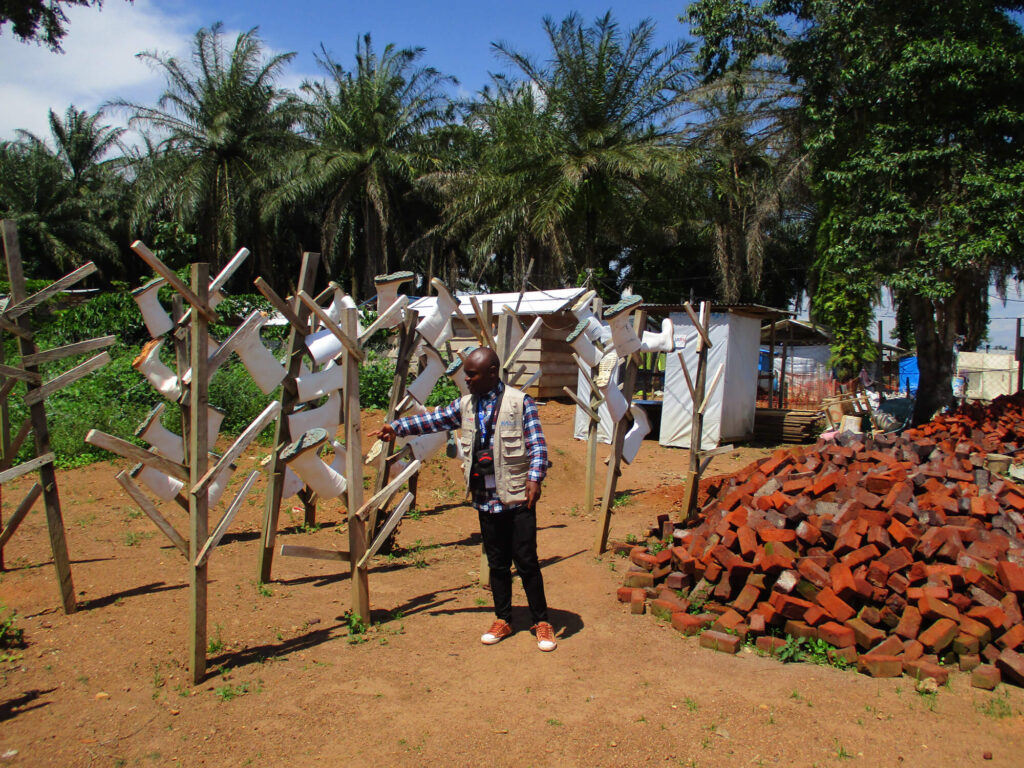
{"x":805,"y":333}
{"x":533,"y":302}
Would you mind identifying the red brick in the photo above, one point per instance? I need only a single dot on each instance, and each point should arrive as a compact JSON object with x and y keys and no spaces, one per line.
{"x":920,"y":669}
{"x":638,"y":602}
{"x":639,"y":579}
{"x":845,"y":655}
{"x":814,"y":573}
{"x":986,"y":677}
{"x":910,"y":623}
{"x":912,"y":649}
{"x":1011,"y":665}
{"x":792,"y":607}
{"x":719,"y":641}
{"x":866,"y":635}
{"x":969,"y":662}
{"x":842,"y":581}
{"x":900,"y":534}
{"x":796,"y":628}
{"x":1011,"y":576}
{"x":836,"y":634}
{"x":686,"y":623}
{"x":747,"y":599}
{"x":897,"y":583}
{"x":890,"y":646}
{"x":939,"y":635}
{"x":897,"y":559}
{"x":1011,"y":638}
{"x":625,"y":594}
{"x":965,"y":644}
{"x":836,"y":608}
{"x":879,"y":666}
{"x":932,"y":608}
{"x":993,"y":616}
{"x":769,"y":645}
{"x":730,"y":620}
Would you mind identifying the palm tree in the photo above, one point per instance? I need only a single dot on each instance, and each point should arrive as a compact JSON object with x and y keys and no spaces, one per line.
{"x":755,"y":201}
{"x":571,"y":150}
{"x":65,"y":199}
{"x":370,"y":136}
{"x":219,"y":128}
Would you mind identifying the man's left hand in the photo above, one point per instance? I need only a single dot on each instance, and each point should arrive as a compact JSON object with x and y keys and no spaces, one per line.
{"x":532,"y":493}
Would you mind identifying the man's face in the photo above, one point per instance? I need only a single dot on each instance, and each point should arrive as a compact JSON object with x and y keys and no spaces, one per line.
{"x":481,"y":377}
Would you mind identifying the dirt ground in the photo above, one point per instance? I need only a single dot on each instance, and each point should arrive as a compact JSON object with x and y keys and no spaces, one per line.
{"x":291,"y":685}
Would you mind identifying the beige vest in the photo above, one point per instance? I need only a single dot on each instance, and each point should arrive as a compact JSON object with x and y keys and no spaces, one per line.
{"x":511,"y":460}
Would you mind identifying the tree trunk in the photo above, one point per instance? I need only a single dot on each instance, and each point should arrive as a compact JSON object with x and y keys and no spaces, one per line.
{"x":935,"y":333}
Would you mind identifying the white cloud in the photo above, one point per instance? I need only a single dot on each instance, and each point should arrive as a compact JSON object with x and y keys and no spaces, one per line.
{"x":99,"y":63}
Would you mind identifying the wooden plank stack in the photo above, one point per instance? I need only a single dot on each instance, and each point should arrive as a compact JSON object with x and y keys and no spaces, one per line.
{"x":780,"y":425}
{"x":903,"y":553}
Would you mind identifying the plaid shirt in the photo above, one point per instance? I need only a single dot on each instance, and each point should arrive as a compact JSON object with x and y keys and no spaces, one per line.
{"x":449,"y":417}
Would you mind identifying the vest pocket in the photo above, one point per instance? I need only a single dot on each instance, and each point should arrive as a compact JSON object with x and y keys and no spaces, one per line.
{"x":513,"y":446}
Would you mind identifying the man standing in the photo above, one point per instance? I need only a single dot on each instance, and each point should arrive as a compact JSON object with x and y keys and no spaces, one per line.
{"x":506,"y":460}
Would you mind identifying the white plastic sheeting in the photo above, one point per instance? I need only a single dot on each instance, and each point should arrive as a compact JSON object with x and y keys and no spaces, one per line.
{"x":735,"y":343}
{"x":809,"y":362}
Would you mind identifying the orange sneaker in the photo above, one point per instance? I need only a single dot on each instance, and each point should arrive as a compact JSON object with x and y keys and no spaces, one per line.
{"x":499,"y":631}
{"x":545,"y":636}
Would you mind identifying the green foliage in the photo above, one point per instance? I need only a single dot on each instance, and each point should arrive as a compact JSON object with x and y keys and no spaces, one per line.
{"x":915,"y":126}
{"x":11,"y":635}
{"x":810,"y":650}
{"x":443,"y":393}
{"x":376,"y":377}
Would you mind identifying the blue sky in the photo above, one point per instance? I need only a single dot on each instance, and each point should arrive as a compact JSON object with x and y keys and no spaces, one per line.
{"x":100,"y":65}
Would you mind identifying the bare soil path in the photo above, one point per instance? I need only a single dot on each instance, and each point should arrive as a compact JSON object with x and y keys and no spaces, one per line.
{"x":296,"y":687}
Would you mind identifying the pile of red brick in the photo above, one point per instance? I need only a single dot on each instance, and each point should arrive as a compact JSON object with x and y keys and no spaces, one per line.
{"x":903,"y":553}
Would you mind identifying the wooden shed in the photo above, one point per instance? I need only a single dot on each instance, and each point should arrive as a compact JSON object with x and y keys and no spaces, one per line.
{"x":548,"y":350}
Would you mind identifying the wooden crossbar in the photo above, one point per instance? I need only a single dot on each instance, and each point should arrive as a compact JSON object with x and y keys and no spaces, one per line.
{"x":392,"y":522}
{"x":68,"y":350}
{"x":19,"y":514}
{"x":28,"y":466}
{"x":136,"y":453}
{"x":136,"y":495}
{"x":34,"y":396}
{"x":350,"y":344}
{"x":173,"y":280}
{"x":33,"y":301}
{"x":226,"y":518}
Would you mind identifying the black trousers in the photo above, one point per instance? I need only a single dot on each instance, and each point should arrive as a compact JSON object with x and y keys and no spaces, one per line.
{"x":511,"y":537}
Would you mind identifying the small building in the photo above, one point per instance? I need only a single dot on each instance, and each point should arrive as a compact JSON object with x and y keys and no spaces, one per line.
{"x":547,"y":351}
{"x":735,"y":334}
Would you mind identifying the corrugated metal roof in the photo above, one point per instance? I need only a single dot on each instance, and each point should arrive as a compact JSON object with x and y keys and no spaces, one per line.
{"x":533,"y":303}
{"x":756,"y":310}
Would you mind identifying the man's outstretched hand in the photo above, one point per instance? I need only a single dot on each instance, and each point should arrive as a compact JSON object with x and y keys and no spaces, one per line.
{"x":532,"y":493}
{"x":386,"y":432}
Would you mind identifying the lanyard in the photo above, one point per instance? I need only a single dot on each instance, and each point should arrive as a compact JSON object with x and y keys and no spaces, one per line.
{"x":484,"y":430}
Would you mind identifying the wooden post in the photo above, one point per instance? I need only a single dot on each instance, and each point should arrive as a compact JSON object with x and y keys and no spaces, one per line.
{"x":593,"y":426}
{"x":282,"y":435}
{"x":879,"y":368}
{"x":37,"y":413}
{"x":771,"y":369}
{"x":1020,"y":357}
{"x":783,"y":392}
{"x":357,"y":538}
{"x":6,"y":459}
{"x":697,"y":420}
{"x":618,"y":437}
{"x":199,"y":495}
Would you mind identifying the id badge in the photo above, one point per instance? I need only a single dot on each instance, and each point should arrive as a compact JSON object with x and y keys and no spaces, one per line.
{"x":489,"y":483}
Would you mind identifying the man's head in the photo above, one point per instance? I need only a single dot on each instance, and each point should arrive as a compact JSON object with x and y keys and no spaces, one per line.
{"x":481,"y":370}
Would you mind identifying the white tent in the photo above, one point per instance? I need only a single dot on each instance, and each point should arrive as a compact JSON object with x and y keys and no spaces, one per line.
{"x":735,"y":340}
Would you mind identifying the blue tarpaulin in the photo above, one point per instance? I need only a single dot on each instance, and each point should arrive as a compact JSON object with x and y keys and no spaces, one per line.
{"x":909,"y":375}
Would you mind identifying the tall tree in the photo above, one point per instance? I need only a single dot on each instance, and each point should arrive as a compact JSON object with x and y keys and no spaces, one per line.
{"x":219,"y":129}
{"x":915,"y":120}
{"x":65,"y":198}
{"x":369,"y":133}
{"x":42,"y":21}
{"x":570,"y":150}
{"x":755,"y":200}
